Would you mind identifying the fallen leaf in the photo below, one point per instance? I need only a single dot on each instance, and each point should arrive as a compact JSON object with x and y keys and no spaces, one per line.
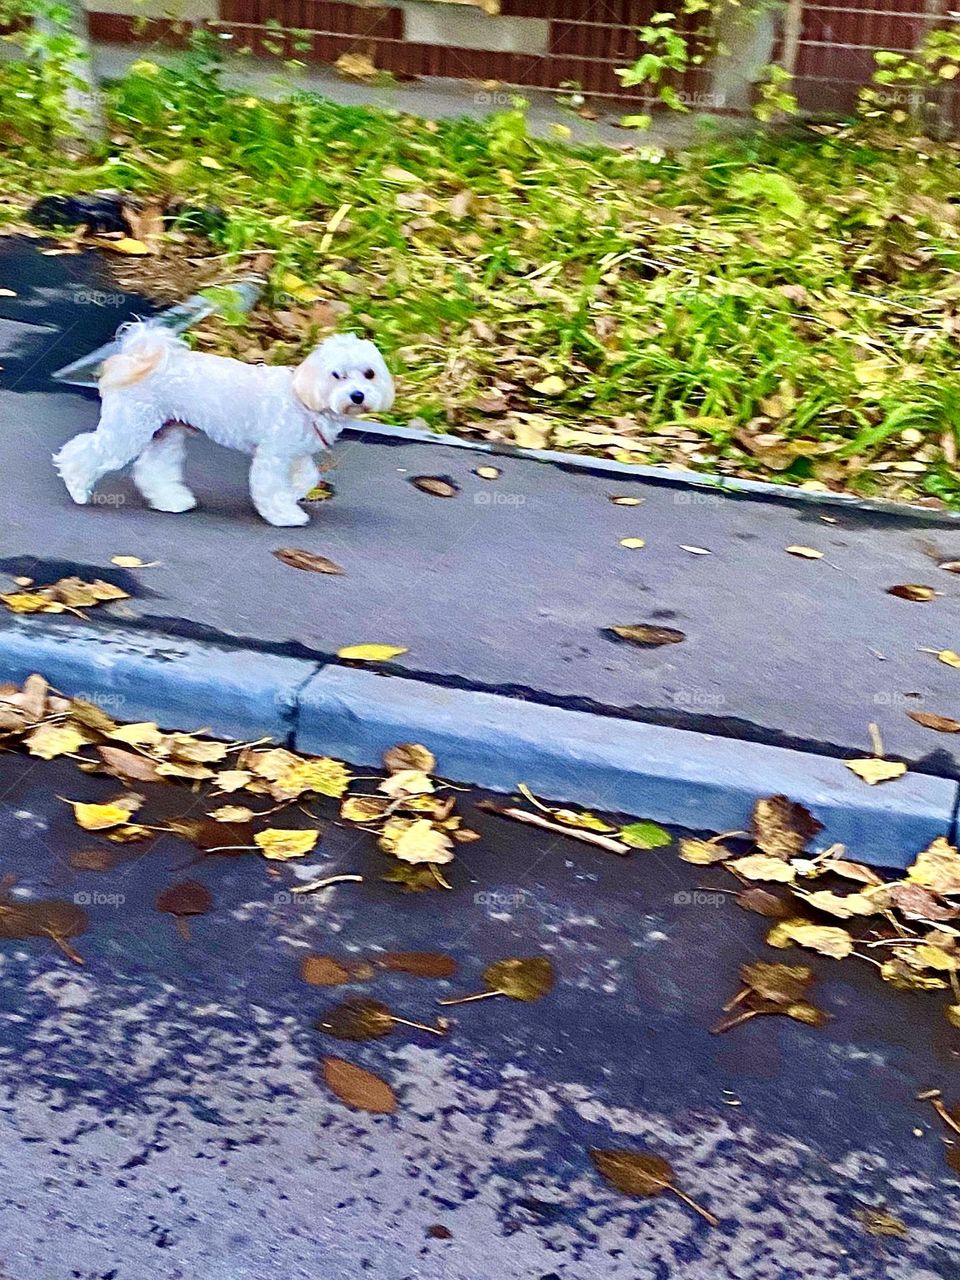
{"x":98,"y":817}
{"x":211,"y":836}
{"x":363,"y":808}
{"x":370,"y":652}
{"x":645,"y":835}
{"x":903,"y":978}
{"x":414,"y":879}
{"x":640,"y":1173}
{"x":321,"y":775}
{"x":948,"y":657}
{"x":437,"y":486}
{"x":851,"y":870}
{"x":553,"y":385}
{"x":422,"y":842}
{"x":132,"y":562}
{"x":928,"y":956}
{"x":763,"y":866}
{"x":127,"y":764}
{"x":144,"y":734}
{"x":952,"y":1015}
{"x":878,"y":1223}
{"x":696,"y":551}
{"x":359,"y":1088}
{"x":829,"y":940}
{"x":763,"y":903}
{"x":873,"y":770}
{"x":915,"y":902}
{"x":406,"y":782}
{"x":703,"y":853}
{"x":324,"y":971}
{"x":806,"y":553}
{"x":487,"y":473}
{"x":937,"y":868}
{"x":583,"y":820}
{"x":232,"y":813}
{"x":279,"y":845}
{"x":186,"y":747}
{"x":44,"y":917}
{"x":930,"y":720}
{"x":409,"y":755}
{"x":844,"y":906}
{"x":422,"y":964}
{"x":632,"y":544}
{"x":297,"y":558}
{"x":525,"y":978}
{"x":647,"y":636}
{"x":364,"y":1019}
{"x":124,"y":244}
{"x":188,"y":898}
{"x":392,"y":173}
{"x":624,"y":500}
{"x":780,"y":983}
{"x":782,"y":827}
{"x":51,"y":740}
{"x":233,"y":779}
{"x":913,"y":591}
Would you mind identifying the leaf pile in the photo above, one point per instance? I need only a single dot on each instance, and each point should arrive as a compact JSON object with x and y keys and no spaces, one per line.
{"x":910,"y":923}
{"x":68,"y":595}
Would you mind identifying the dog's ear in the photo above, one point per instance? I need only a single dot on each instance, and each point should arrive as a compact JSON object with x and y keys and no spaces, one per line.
{"x":308,"y":385}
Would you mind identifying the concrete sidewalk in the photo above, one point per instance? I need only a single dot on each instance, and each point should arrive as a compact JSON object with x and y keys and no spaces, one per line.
{"x":508,"y":590}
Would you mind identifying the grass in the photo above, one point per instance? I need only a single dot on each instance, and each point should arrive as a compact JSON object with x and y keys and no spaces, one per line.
{"x":783,"y":306}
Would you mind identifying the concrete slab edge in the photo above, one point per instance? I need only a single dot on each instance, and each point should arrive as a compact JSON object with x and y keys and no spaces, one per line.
{"x":674,"y":776}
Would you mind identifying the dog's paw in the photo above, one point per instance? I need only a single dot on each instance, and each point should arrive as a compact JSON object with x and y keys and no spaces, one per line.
{"x":175,"y":500}
{"x":286,"y":519}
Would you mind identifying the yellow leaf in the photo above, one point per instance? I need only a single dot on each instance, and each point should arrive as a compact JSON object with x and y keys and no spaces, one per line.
{"x":422,"y":842}
{"x":273,"y":764}
{"x":233,"y":779}
{"x":143,"y":734}
{"x":632,"y":544}
{"x":622,"y":500}
{"x":392,"y":173}
{"x":807,"y":553}
{"x":873,"y":770}
{"x":132,"y":562}
{"x":406,"y":782}
{"x":844,"y":906}
{"x":30,"y":602}
{"x":51,"y":740}
{"x":582,"y":820}
{"x":762,"y":866}
{"x":952,"y":1014}
{"x":362,"y":809}
{"x":937,"y":868}
{"x":323,"y":776}
{"x":487,"y":473}
{"x":208,"y":162}
{"x":98,"y":817}
{"x":184,"y":746}
{"x":184,"y":769}
{"x":553,"y":385}
{"x":280,"y":845}
{"x":949,"y":657}
{"x":370,"y":652}
{"x":529,"y":434}
{"x":933,"y":957}
{"x":703,"y":852}
{"x":126,"y":244}
{"x":829,"y":940}
{"x":232,"y":813}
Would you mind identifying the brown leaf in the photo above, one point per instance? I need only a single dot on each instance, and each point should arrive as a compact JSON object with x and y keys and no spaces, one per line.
{"x":128,"y":765}
{"x":188,"y":898}
{"x":703,"y":853}
{"x":647,"y":636}
{"x":917,"y":903}
{"x":641,"y":1173}
{"x":414,"y":879}
{"x":878,"y":1223}
{"x":297,"y":558}
{"x":363,"y":808}
{"x":409,"y":756}
{"x":359,"y":1088}
{"x":829,"y":940}
{"x":852,"y":871}
{"x":324,"y":971}
{"x":211,"y":836}
{"x":763,"y":903}
{"x":782,"y":827}
{"x":44,"y":918}
{"x":778,"y":983}
{"x":422,"y":964}
{"x":361,"y":1018}
{"x":763,"y":866}
{"x":937,"y":868}
{"x":438,"y":486}
{"x":930,"y":720}
{"x":913,"y":591}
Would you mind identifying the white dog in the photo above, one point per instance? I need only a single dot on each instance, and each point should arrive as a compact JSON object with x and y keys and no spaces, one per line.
{"x":155,"y":388}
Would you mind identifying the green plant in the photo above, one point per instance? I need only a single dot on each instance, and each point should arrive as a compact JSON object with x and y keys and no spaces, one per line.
{"x":42,"y":90}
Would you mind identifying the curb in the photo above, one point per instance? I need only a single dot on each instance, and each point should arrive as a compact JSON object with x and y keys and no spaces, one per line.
{"x":675,"y":776}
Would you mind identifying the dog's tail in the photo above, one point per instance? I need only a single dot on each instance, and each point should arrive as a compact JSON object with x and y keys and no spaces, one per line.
{"x":145,"y":348}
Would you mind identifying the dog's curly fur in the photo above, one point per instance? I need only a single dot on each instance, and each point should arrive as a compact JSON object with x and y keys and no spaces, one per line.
{"x":155,"y":387}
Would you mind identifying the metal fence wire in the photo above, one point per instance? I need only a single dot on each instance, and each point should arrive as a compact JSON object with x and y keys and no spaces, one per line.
{"x":553,"y":44}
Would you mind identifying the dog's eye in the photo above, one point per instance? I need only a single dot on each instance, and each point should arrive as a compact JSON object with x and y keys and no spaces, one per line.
{"x":335,"y":374}
{"x":370,"y":374}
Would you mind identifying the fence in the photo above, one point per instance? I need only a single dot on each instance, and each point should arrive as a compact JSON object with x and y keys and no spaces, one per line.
{"x":550,"y":43}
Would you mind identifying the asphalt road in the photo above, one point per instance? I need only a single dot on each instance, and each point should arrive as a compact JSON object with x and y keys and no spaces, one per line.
{"x":161,"y":1112}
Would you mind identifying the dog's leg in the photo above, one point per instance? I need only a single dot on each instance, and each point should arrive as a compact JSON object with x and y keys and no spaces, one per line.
{"x":117,"y":440}
{"x":270,"y":489}
{"x":304,"y":476}
{"x":158,"y":472}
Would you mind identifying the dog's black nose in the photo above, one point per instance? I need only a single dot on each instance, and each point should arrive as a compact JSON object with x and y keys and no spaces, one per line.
{"x":356,"y":397}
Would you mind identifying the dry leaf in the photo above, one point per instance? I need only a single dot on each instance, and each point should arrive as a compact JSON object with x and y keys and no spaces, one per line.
{"x":903,"y":978}
{"x":763,"y":903}
{"x":364,"y":1019}
{"x":877,"y":1223}
{"x":702,"y":853}
{"x":324,"y":971}
{"x":806,"y":553}
{"x":525,"y":978}
{"x":127,"y":764}
{"x":438,"y":486}
{"x":99,"y":817}
{"x":370,"y":652}
{"x":624,"y":500}
{"x":363,"y":808}
{"x":232,"y":813}
{"x":145,"y":734}
{"x":873,"y":770}
{"x":915,"y":902}
{"x":763,"y":866}
{"x":132,"y":562}
{"x":422,"y":842}
{"x":487,"y":473}
{"x":322,"y":775}
{"x":835,"y":904}
{"x":695,"y":551}
{"x":930,"y":720}
{"x":279,"y":845}
{"x":783,"y":828}
{"x":913,"y":591}
{"x":552,"y":385}
{"x":949,"y":657}
{"x":829,"y":940}
{"x":51,"y":740}
{"x":358,"y":1088}
{"x":44,"y":918}
{"x":647,"y":636}
{"x":422,"y":964}
{"x":297,"y":558}
{"x":937,"y":868}
{"x":406,"y":782}
{"x":188,"y":898}
{"x":409,"y":755}
{"x":640,"y":1173}
{"x":233,"y":779}
{"x":632,"y":544}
